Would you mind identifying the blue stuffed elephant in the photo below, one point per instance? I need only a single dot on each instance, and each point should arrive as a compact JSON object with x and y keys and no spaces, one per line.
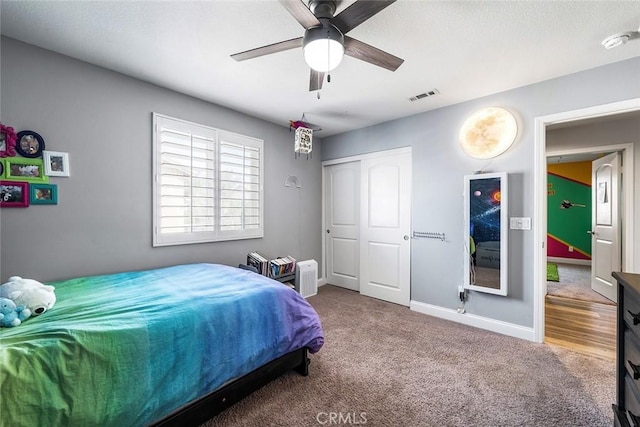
{"x":10,"y":314}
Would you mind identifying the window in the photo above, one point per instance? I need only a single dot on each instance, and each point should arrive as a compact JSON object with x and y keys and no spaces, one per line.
{"x":207,"y":184}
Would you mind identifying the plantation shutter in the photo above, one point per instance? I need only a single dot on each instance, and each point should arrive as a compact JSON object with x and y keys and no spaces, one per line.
{"x":239,"y":186}
{"x":207,"y":184}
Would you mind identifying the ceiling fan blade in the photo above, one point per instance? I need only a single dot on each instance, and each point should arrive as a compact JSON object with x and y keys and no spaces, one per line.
{"x":364,"y":52}
{"x":300,"y":12}
{"x":357,"y":13}
{"x":266,"y":50}
{"x":316,"y":78}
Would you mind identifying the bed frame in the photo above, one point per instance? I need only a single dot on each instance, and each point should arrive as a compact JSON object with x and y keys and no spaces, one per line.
{"x":206,"y":407}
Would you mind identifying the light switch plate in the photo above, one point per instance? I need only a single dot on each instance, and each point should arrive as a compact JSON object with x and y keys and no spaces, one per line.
{"x":520,"y":223}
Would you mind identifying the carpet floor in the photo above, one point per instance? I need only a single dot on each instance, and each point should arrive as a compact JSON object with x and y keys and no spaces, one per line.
{"x":575,"y":282}
{"x":385,"y":365}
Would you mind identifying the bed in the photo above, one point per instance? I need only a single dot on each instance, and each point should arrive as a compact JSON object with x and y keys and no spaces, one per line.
{"x":169,"y":346}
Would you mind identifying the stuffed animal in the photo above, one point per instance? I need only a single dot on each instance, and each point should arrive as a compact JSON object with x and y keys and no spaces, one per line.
{"x":10,"y":315}
{"x":30,"y":293}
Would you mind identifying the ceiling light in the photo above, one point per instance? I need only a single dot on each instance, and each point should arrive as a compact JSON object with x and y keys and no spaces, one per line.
{"x":616,"y":40}
{"x":323,"y":48}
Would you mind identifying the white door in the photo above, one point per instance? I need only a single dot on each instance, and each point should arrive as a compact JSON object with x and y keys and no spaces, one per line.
{"x":342,"y":219}
{"x":605,"y":231}
{"x":385,"y":218}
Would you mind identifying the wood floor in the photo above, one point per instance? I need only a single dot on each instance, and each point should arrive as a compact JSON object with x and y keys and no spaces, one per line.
{"x":585,"y":327}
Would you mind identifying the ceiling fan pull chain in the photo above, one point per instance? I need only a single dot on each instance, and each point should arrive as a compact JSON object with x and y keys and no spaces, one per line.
{"x":328,"y":58}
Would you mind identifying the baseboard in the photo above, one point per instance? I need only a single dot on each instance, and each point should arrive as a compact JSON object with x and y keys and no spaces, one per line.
{"x":321,"y":282}
{"x":493,"y":325}
{"x":569,"y":260}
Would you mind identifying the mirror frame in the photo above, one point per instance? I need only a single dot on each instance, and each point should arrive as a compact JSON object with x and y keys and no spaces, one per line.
{"x":469,"y":181}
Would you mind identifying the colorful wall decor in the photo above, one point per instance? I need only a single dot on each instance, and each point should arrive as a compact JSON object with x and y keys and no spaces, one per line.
{"x":43,"y":194}
{"x":569,"y":210}
{"x":24,"y":169}
{"x":8,"y":138}
{"x":14,"y":194}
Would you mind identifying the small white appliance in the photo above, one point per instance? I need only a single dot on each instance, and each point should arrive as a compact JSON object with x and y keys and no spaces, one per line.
{"x":307,"y":278}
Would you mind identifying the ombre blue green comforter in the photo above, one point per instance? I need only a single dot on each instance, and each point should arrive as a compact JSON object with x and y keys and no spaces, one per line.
{"x":127,"y":349}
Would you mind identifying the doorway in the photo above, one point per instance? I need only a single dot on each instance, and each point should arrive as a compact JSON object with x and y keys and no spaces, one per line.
{"x":583,"y":222}
{"x":602,"y":112}
{"x":580,"y":310}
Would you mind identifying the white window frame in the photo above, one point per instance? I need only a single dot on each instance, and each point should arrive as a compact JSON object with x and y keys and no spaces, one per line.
{"x":219,"y":137}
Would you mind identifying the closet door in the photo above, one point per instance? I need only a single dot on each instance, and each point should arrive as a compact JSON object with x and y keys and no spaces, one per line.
{"x":385,"y":226}
{"x":342,"y":220}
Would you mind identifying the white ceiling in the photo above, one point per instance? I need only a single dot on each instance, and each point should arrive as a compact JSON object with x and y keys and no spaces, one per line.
{"x":465,"y":49}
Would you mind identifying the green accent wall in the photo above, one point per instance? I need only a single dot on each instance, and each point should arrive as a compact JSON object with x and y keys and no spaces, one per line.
{"x":570,"y":224}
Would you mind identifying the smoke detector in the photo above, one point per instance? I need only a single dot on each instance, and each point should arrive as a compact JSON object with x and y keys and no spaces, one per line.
{"x":620,"y":38}
{"x":616,"y":40}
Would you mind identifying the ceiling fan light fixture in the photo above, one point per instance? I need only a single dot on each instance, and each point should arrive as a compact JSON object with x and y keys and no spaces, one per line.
{"x":616,"y":40}
{"x":323,"y":48}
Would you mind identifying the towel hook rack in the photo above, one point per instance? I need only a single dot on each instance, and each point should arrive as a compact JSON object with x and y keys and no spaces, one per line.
{"x":429,"y":235}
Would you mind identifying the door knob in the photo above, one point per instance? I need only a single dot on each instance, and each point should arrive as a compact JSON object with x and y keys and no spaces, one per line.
{"x":406,"y":237}
{"x":593,"y":233}
{"x":328,"y":231}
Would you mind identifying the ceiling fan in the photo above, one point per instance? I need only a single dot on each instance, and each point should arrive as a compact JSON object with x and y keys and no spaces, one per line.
{"x":324,"y":40}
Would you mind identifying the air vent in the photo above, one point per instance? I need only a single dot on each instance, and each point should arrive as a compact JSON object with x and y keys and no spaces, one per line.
{"x":425,"y":95}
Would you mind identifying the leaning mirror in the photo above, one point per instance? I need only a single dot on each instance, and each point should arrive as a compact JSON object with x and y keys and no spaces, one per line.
{"x":485,"y":226}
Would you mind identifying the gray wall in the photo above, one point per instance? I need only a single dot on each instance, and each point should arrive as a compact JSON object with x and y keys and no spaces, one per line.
{"x":102,"y":222}
{"x":439,"y":165}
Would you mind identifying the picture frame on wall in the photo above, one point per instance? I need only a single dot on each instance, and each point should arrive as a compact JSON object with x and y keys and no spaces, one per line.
{"x":30,"y":144}
{"x":56,"y":163}
{"x":24,"y":169}
{"x":43,"y":194}
{"x":8,"y":138}
{"x":14,"y":194}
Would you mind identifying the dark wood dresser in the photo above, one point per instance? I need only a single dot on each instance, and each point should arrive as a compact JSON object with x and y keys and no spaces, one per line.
{"x":627,"y":407}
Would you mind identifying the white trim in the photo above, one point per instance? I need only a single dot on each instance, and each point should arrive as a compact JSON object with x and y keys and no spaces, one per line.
{"x":573,"y":261}
{"x":603,"y":110}
{"x":358,"y":157}
{"x":597,"y":149}
{"x":323,"y":239}
{"x":540,"y":199}
{"x":486,"y":323}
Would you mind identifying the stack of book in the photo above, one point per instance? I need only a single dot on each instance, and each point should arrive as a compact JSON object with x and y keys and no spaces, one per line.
{"x":258,"y":261}
{"x":282,"y":266}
